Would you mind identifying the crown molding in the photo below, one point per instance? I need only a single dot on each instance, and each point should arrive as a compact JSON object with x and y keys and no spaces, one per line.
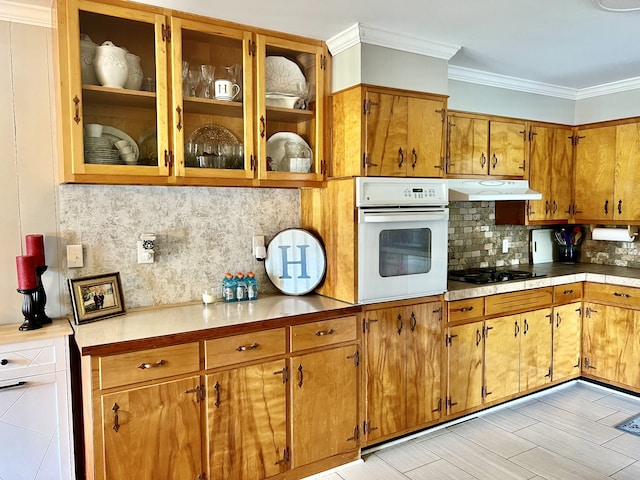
{"x":360,"y":33}
{"x":30,"y":14}
{"x":470,"y":75}
{"x":609,"y":88}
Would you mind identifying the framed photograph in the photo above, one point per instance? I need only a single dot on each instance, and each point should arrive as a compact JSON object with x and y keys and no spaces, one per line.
{"x":95,"y":298}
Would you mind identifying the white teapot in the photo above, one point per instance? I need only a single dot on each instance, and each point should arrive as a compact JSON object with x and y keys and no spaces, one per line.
{"x":110,"y":64}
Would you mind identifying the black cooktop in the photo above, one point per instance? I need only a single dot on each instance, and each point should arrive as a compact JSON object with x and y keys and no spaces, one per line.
{"x":490,"y":275}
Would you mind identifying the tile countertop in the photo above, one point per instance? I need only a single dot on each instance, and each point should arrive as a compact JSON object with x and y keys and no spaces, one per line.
{"x":554,"y":274}
{"x":149,"y":328}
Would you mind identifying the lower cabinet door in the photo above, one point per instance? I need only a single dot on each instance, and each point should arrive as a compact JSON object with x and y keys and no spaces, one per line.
{"x":246,"y":422}
{"x":502,"y":363}
{"x":465,"y":362}
{"x":324,"y":399}
{"x":153,"y":432}
{"x":535,"y":349}
{"x":566,"y":341}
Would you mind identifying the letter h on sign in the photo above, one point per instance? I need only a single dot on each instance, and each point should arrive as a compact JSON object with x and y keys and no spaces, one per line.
{"x":286,"y":262}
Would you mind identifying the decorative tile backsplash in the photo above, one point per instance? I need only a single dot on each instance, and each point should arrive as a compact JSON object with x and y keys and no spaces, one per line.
{"x":622,"y":254}
{"x":201,"y":234}
{"x":476,"y":241}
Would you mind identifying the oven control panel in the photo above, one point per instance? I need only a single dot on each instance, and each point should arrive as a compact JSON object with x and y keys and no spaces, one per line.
{"x":384,"y":191}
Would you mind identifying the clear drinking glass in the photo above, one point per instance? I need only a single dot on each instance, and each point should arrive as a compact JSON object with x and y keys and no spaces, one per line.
{"x":194,"y":75}
{"x":208,"y":72}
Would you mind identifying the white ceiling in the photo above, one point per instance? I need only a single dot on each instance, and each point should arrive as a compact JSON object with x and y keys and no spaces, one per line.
{"x":563,"y":43}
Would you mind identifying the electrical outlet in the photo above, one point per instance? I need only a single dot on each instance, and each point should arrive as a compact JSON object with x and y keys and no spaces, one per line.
{"x":259,"y":250}
{"x":505,"y":245}
{"x":74,"y":256}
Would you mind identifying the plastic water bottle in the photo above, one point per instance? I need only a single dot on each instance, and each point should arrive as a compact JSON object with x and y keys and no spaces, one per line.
{"x":229,"y":288}
{"x":252,"y":286}
{"x":241,"y":287}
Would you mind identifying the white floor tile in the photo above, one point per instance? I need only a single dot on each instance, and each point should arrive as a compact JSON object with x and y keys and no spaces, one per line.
{"x":508,"y":419}
{"x":632,"y":472}
{"x":615,"y":419}
{"x":570,"y":422}
{"x":620,"y":402}
{"x":439,"y":470}
{"x":474,"y":459}
{"x":407,"y":456}
{"x":373,"y":468}
{"x":553,"y":466}
{"x":492,"y":437}
{"x":591,"y":455}
{"x":626,"y":444}
{"x":578,"y":404}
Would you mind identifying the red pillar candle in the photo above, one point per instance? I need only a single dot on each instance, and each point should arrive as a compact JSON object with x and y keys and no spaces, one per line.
{"x":27,"y":278}
{"x":35,"y":247}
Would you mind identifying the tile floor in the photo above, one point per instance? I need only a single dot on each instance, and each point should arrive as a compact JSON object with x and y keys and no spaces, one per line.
{"x":565,"y":433}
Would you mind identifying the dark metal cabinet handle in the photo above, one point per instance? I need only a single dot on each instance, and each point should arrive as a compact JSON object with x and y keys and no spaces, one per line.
{"x":14,"y":385}
{"x":558,"y":320}
{"x":495,"y":161}
{"x":623,"y":295}
{"x":547,"y":207}
{"x":414,"y":321}
{"x":483,"y":160}
{"x":606,"y":206}
{"x":401,"y":153}
{"x":568,"y":292}
{"x":517,"y":329}
{"x":179,"y":112}
{"x":526,"y":327}
{"x":399,"y":324}
{"x":263,"y":126}
{"x":116,"y":422}
{"x":478,"y":337}
{"x":159,"y":363}
{"x":620,"y":207}
{"x":555,"y":207}
{"x":322,"y":333}
{"x":244,"y":348}
{"x":465,"y":309}
{"x":216,"y":387}
{"x":301,"y":376}
{"x":414,"y":154}
{"x":76,"y":117}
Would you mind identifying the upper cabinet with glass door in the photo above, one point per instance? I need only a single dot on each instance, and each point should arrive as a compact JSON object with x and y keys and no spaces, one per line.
{"x":114,"y":93}
{"x":212,"y":106}
{"x":290,"y":109}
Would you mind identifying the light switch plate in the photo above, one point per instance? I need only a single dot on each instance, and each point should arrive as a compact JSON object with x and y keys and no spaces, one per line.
{"x":74,"y":256}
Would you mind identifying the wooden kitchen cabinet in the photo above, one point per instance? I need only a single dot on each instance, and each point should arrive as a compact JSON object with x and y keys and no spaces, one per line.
{"x":465,"y":363}
{"x":403,"y":348}
{"x":567,"y":332}
{"x":171,"y":127}
{"x":246,"y":422}
{"x":149,"y":431}
{"x":480,"y":145}
{"x":607,"y":172}
{"x":387,"y":132}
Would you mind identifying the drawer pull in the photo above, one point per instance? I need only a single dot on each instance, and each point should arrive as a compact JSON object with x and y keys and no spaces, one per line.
{"x":145,"y":366}
{"x":216,"y":387}
{"x":4,"y":361}
{"x":624,"y":295}
{"x":244,"y":348}
{"x":322,"y":333}
{"x":465,"y":309}
{"x":116,"y":422}
{"x":301,"y":376}
{"x":568,"y":292}
{"x":14,"y":385}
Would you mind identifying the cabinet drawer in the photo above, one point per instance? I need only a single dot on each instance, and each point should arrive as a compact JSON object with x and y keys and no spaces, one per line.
{"x":520,"y":301}
{"x":22,"y":359}
{"x":327,"y":332}
{"x":465,"y":309}
{"x":613,"y":294}
{"x":568,"y":293}
{"x":152,"y":364}
{"x":220,"y":352}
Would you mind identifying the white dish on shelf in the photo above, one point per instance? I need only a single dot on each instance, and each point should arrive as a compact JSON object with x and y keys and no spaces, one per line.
{"x":281,"y":101}
{"x":283,"y":76}
{"x":114,"y":135}
{"x":276,"y":148}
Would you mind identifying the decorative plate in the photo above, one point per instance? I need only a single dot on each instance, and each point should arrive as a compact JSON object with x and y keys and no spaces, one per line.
{"x":275,"y":147}
{"x":212,"y":134}
{"x":282,"y":76}
{"x":148,"y":142}
{"x":114,"y":135}
{"x":296,"y":261}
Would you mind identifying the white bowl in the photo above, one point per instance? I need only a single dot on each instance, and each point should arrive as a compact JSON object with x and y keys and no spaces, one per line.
{"x":282,"y":101}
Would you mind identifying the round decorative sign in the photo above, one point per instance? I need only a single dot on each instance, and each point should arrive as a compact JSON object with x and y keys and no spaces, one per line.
{"x":296,"y":261}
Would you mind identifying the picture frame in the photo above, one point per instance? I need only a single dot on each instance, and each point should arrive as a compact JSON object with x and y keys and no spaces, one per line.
{"x":96,"y":297}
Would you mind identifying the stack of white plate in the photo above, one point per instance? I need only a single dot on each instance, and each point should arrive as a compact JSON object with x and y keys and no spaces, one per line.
{"x":100,"y":150}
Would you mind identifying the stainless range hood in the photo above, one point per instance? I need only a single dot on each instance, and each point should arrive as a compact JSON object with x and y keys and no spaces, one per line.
{"x":478,"y":190}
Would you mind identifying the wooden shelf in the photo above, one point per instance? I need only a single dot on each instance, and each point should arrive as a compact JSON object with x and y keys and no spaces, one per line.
{"x":118,"y":96}
{"x":209,"y":106}
{"x":289,"y":114}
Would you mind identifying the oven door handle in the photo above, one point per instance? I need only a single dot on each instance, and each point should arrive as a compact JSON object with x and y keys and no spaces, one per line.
{"x":405,"y":217}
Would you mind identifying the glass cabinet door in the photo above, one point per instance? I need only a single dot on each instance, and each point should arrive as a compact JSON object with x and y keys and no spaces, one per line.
{"x":212,"y":78}
{"x":117,"y":98}
{"x":290,"y":117}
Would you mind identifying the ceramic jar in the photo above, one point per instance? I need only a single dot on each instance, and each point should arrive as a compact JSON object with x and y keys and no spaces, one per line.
{"x":87,"y":54}
{"x":135,"y":74}
{"x":111,"y":65}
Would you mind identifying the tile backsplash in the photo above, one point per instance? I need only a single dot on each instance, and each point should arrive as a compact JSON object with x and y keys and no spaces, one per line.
{"x":476,"y":241}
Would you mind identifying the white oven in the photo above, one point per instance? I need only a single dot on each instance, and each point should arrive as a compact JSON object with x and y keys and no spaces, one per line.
{"x":402,"y":237}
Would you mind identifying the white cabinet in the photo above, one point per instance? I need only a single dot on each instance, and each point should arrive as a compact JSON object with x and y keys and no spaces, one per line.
{"x":35,"y":405}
